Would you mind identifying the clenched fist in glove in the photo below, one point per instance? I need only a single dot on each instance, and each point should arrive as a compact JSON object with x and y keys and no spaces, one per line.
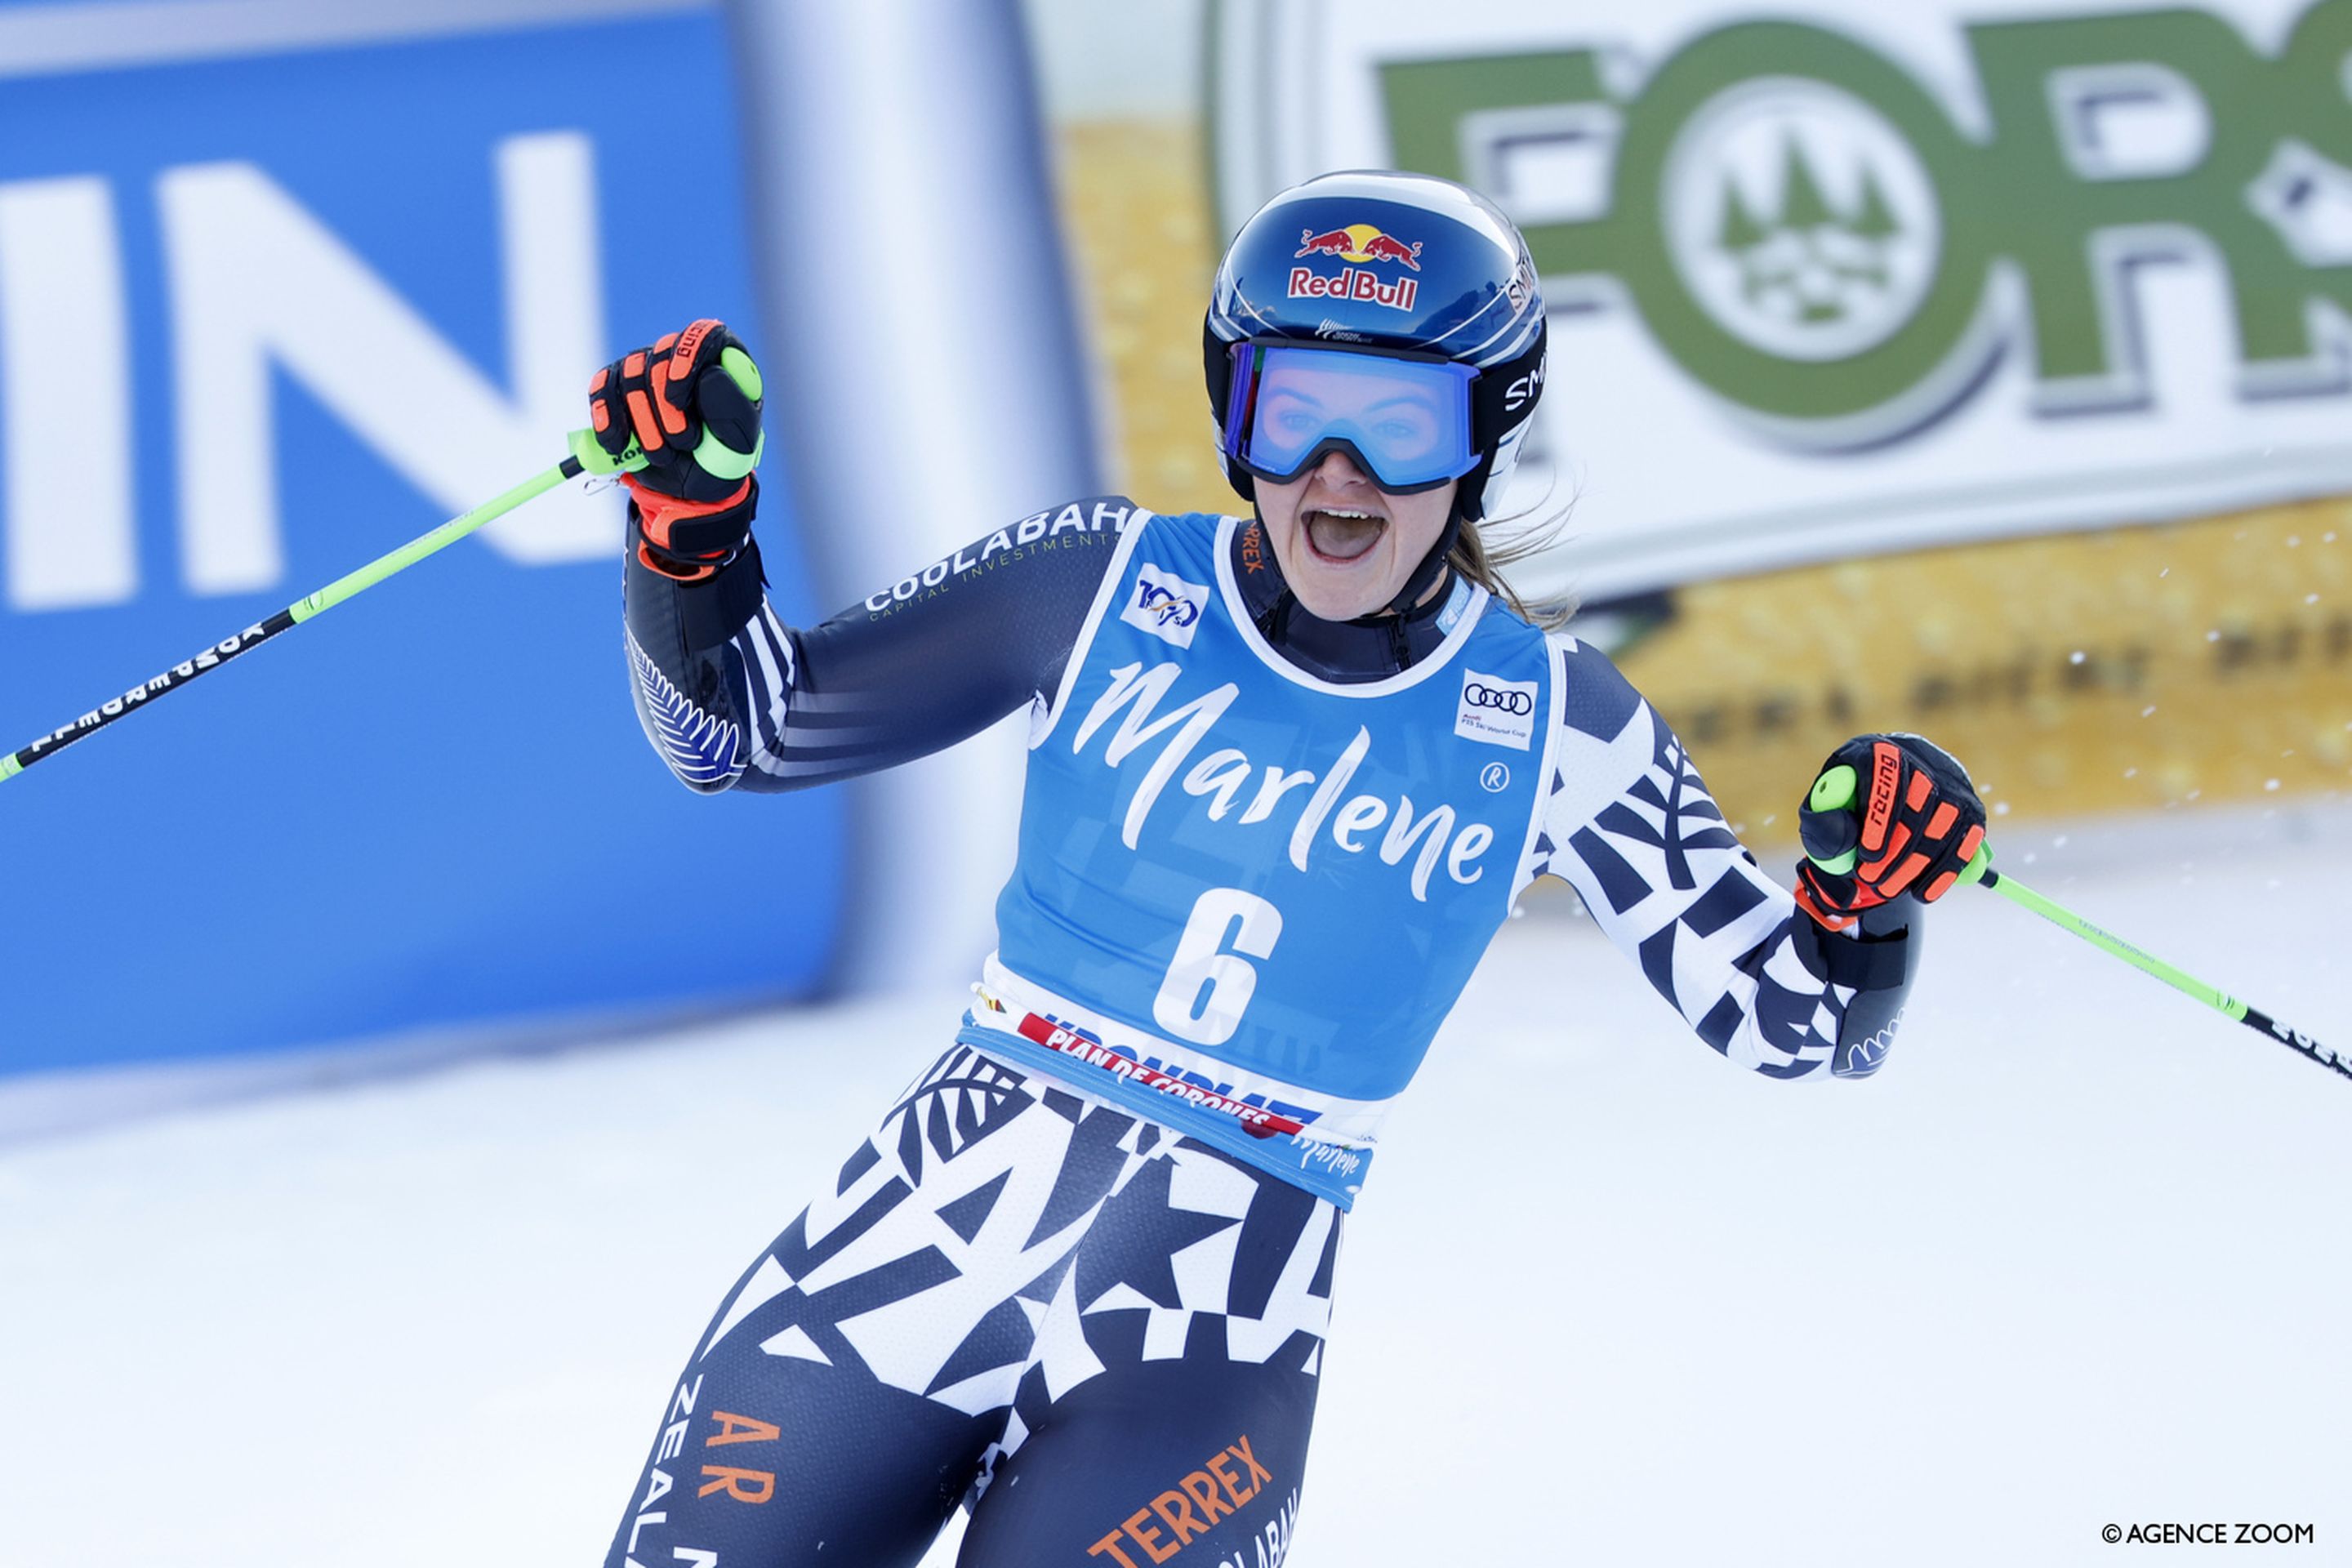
{"x":691,"y":404}
{"x":1889,"y":814}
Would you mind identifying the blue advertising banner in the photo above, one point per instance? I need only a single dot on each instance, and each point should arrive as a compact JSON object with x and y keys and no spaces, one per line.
{"x":263,"y":317}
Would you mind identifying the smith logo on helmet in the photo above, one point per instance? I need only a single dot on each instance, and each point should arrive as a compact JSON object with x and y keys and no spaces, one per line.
{"x":1522,"y":388}
{"x":1950,"y":276}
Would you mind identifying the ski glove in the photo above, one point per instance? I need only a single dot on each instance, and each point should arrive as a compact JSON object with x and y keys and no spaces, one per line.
{"x":1909,"y":824}
{"x":691,"y":404}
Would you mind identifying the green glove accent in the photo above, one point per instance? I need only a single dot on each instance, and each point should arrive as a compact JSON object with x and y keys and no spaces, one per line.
{"x":715,"y":457}
{"x":721,"y":461}
{"x":746,"y":374}
{"x":1833,"y":791}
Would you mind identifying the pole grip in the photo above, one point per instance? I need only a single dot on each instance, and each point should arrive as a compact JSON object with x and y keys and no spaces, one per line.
{"x":1835,"y":791}
{"x":715,"y":457}
{"x":589,"y":454}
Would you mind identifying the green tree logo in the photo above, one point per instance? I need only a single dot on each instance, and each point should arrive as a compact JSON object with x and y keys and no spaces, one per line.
{"x":1800,"y":219}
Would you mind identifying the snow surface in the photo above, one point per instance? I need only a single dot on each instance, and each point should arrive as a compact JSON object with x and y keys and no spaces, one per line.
{"x":2081,"y":1254}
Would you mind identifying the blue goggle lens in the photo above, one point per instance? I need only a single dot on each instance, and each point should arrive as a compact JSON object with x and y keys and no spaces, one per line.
{"x":1406,"y":422}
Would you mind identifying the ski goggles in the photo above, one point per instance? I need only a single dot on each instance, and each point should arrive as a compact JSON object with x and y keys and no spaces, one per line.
{"x":1404,"y":419}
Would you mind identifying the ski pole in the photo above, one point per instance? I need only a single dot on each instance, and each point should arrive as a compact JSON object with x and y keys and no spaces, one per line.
{"x":587,"y":458}
{"x":1835,"y":790}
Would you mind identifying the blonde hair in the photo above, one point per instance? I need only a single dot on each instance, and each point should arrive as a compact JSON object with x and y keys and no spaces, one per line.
{"x":1519,"y":537}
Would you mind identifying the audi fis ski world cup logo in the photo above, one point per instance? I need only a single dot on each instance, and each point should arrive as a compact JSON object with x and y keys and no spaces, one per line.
{"x":1361,"y":243}
{"x":1508,"y":700}
{"x":1165,"y":605}
{"x":1497,"y":711}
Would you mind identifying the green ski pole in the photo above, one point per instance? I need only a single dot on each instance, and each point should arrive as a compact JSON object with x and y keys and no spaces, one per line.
{"x":1835,"y":790}
{"x":587,"y":458}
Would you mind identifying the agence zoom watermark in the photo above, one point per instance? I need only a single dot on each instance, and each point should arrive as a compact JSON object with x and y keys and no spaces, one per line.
{"x":2208,"y":1534}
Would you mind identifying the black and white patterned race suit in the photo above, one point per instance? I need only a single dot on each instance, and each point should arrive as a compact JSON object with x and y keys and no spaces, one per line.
{"x":1114,"y":1332}
{"x":1108,"y":1334}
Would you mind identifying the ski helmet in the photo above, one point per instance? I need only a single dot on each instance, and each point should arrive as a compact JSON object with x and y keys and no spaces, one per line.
{"x":1404,"y":265}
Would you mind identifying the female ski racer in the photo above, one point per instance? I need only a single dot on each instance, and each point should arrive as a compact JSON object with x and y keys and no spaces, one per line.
{"x":1286,"y":775}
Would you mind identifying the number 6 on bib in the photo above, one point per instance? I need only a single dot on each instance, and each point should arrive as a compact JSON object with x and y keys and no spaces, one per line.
{"x":1209,"y":985}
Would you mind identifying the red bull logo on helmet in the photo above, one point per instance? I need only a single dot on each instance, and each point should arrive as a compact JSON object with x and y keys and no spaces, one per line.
{"x":1362,"y":244}
{"x":1353,"y":283}
{"x":1359,"y":242}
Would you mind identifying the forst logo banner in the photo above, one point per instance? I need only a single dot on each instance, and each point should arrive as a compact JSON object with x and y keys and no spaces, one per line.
{"x":1851,"y":277}
{"x":265,"y":313}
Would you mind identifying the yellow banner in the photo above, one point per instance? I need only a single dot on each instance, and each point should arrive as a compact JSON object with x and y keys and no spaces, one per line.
{"x":2137,"y":668}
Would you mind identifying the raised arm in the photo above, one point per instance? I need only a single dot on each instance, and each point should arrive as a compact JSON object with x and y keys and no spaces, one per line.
{"x":1632,"y":826}
{"x":733,"y":698}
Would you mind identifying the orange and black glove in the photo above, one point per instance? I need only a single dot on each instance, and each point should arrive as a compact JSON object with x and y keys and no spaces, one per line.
{"x":1888,"y":816}
{"x":690,"y":403}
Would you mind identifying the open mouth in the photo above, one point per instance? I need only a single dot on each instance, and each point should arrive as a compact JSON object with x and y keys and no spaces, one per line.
{"x":1341,"y":534}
